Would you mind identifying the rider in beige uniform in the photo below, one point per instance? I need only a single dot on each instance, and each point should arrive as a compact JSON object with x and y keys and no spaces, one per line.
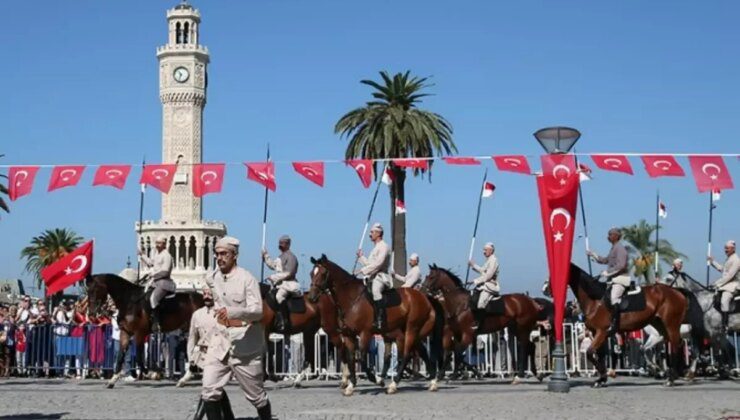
{"x":729,"y":283}
{"x":238,"y":341}
{"x":616,"y":273}
{"x":160,"y":265}
{"x":284,"y":280}
{"x":375,"y":268}
{"x":486,"y":285}
{"x":413,"y":277}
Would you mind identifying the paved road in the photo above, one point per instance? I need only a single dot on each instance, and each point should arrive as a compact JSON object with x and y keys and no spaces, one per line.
{"x":628,"y":398}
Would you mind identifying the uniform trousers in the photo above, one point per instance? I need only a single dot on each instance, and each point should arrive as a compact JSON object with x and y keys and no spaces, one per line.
{"x":246,"y":370}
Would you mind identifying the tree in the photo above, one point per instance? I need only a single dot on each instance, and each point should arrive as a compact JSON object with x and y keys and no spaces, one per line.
{"x":4,"y":191}
{"x":47,"y":248}
{"x":642,"y":249}
{"x":390,"y":127}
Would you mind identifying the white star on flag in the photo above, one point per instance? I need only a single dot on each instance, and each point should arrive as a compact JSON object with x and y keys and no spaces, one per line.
{"x":558,"y":236}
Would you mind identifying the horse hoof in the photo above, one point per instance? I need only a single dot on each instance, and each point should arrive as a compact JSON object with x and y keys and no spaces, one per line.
{"x":380,"y":382}
{"x":599,"y":384}
{"x":349,"y":390}
{"x":611,"y":373}
{"x":343,"y":384}
{"x":540,"y":377}
{"x":392,"y":388}
{"x":433,"y":387}
{"x":110,"y":385}
{"x":668,"y":384}
{"x":516,"y":381}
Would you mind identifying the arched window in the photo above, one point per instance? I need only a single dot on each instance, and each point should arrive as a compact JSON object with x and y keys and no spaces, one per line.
{"x":185,"y":33}
{"x":178,"y":33}
{"x":206,"y":253}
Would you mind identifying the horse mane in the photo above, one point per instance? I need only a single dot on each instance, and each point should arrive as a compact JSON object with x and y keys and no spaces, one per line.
{"x":454,"y":277}
{"x":593,"y":288}
{"x":332,"y":266}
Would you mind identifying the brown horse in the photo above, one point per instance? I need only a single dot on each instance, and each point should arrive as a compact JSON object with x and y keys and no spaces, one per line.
{"x":320,"y":313}
{"x":133,"y":318}
{"x":407,"y":323}
{"x":521,"y":314}
{"x":665,"y":309}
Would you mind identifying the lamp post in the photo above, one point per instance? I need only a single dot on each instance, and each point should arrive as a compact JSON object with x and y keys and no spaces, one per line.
{"x":558,"y":140}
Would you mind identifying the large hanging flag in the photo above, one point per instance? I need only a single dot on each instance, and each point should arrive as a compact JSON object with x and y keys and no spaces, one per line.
{"x":20,"y":181}
{"x":662,"y":210}
{"x":457,"y":160}
{"x":262,"y":173}
{"x":312,"y":171}
{"x":65,"y":176}
{"x":488,"y":189}
{"x":710,"y":173}
{"x":208,"y":178}
{"x":364,"y":169}
{"x":558,"y":170}
{"x":512,"y":163}
{"x":614,"y":163}
{"x":422,"y":164}
{"x":158,"y":176}
{"x":400,"y":207}
{"x":112,"y":175}
{"x":661,"y":165}
{"x":68,"y":270}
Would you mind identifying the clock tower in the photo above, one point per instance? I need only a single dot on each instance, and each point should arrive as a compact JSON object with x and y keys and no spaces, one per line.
{"x":183,"y":64}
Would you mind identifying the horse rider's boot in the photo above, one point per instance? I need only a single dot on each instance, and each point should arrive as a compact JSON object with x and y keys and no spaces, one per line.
{"x":200,"y":411}
{"x":265,"y":413}
{"x":379,"y":315}
{"x":285,"y":315}
{"x":480,"y":317}
{"x":725,"y":321}
{"x":614,"y":327}
{"x":213,"y":410}
{"x":226,"y":411}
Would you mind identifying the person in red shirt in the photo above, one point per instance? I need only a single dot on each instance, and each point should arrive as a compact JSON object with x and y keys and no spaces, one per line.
{"x":20,"y":349}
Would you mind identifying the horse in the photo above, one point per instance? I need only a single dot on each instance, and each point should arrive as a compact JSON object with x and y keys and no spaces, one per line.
{"x":407,"y":323}
{"x":319,"y":313}
{"x":133,"y":317}
{"x":665,"y":308}
{"x":520,"y":315}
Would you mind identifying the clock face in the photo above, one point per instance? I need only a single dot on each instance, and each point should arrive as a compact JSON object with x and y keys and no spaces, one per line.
{"x":181,"y":74}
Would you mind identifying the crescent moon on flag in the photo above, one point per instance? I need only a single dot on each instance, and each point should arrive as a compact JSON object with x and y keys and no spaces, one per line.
{"x":560,"y":212}
{"x":18,"y":180}
{"x":662,"y":164}
{"x":360,"y":167}
{"x":710,"y":165}
{"x":513,"y":161}
{"x":212,"y":177}
{"x":558,"y":168}
{"x":263,"y":176}
{"x":309,"y":171}
{"x":617,"y":163}
{"x":64,"y":177}
{"x":81,"y":267}
{"x":113,"y":173}
{"x":157,"y":171}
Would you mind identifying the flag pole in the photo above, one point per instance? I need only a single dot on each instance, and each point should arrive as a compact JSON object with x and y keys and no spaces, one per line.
{"x":369,"y":215}
{"x":141,"y":222}
{"x":583,"y":216}
{"x":709,"y":241}
{"x":475,"y":228}
{"x":264,"y":225}
{"x":657,"y":231}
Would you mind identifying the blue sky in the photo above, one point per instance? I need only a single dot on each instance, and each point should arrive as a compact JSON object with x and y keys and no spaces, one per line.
{"x":80,"y":84}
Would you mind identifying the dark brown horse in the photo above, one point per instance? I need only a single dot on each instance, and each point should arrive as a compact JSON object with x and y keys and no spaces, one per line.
{"x":407,"y":324}
{"x":320,"y":313}
{"x":521,"y":314}
{"x":665,"y":309}
{"x":133,"y":318}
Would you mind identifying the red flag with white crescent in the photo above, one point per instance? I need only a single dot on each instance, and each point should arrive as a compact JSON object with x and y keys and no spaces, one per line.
{"x":312,"y":171}
{"x":262,"y":173}
{"x":659,"y":165}
{"x":614,"y":163}
{"x":364,"y":169}
{"x":458,"y":160}
{"x":512,"y":163}
{"x":159,"y":176}
{"x":65,"y":176}
{"x":20,"y":181}
{"x":208,"y":178}
{"x":710,"y":173}
{"x":68,"y":270}
{"x":558,"y":171}
{"x":422,"y":164}
{"x":112,"y":175}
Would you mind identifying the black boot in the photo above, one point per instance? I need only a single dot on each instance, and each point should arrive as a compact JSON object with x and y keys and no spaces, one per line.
{"x":283,"y":318}
{"x":265,"y":413}
{"x":379,"y":323}
{"x":226,"y":411}
{"x":480,"y":317}
{"x":213,"y":410}
{"x":614,"y":327}
{"x":200,"y":411}
{"x":725,"y":321}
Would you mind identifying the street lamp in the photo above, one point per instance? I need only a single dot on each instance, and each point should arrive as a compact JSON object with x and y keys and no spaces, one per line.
{"x":558,"y":140}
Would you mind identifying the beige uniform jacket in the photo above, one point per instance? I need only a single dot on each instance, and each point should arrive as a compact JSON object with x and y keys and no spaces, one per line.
{"x":730,"y":280}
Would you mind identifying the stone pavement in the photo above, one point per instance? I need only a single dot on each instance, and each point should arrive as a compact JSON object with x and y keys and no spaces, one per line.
{"x":625,"y":398}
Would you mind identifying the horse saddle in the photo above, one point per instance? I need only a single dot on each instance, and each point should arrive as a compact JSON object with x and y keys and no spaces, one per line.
{"x":633,"y":299}
{"x":495,"y":306}
{"x":391,"y":297}
{"x":296,"y":304}
{"x":734,"y":303}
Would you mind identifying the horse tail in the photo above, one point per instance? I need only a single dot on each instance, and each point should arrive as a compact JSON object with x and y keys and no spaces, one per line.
{"x":695,"y":318}
{"x":437,"y":352}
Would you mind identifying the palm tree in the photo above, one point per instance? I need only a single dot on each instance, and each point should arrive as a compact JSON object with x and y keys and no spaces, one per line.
{"x":642,"y":249}
{"x":47,"y":248}
{"x":390,"y":127}
{"x":4,"y":191}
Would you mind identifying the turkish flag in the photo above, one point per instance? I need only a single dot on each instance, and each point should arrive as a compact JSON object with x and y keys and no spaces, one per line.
{"x":364,"y":168}
{"x":262,"y":173}
{"x":658,"y":165}
{"x":68,"y":270}
{"x":20,"y":181}
{"x":65,"y":176}
{"x":461,"y":160}
{"x":312,"y":171}
{"x":512,"y":163}
{"x":615,"y":163}
{"x":159,"y":176}
{"x":422,"y":164}
{"x":112,"y":175}
{"x":558,"y":202}
{"x":710,"y":173}
{"x":207,"y":178}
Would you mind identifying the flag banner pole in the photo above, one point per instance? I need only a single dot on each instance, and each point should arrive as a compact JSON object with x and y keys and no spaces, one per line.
{"x":657,"y":231}
{"x":585,"y":225}
{"x":141,"y":222}
{"x":709,"y":240}
{"x":475,"y":228}
{"x":369,"y":216}
{"x":264,"y":225}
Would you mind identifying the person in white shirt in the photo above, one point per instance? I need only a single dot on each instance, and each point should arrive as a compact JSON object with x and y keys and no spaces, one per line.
{"x":413,"y":277}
